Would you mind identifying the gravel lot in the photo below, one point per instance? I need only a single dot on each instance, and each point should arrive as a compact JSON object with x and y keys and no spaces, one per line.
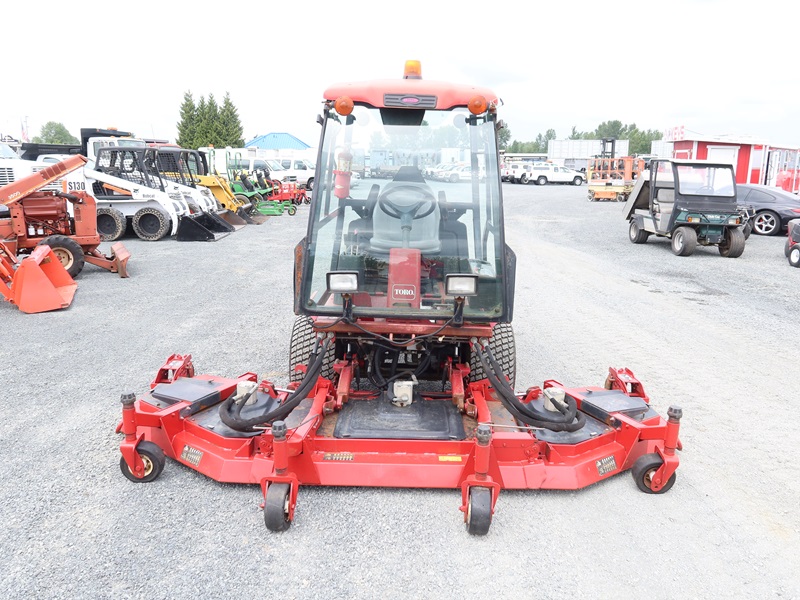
{"x":711,"y":334}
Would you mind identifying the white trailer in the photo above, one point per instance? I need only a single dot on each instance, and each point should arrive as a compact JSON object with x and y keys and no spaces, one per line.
{"x":575,"y":154}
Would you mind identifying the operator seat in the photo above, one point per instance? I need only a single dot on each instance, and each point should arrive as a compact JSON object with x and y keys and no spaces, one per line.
{"x":401,"y":195}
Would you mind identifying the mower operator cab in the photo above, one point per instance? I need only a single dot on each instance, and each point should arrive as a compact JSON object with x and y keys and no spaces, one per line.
{"x":404,"y":247}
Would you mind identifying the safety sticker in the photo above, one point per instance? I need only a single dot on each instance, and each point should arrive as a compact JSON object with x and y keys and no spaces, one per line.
{"x":191,"y":455}
{"x":449,"y":458}
{"x":338,"y":456}
{"x":606,"y":465}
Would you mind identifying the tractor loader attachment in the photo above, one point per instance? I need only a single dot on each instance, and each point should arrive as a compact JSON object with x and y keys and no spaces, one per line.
{"x":116,"y":263}
{"x":37,"y":283}
{"x":203,"y":227}
{"x":402,"y":360}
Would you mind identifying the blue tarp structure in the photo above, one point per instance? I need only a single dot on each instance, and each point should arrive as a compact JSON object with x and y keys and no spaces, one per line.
{"x":277,"y":141}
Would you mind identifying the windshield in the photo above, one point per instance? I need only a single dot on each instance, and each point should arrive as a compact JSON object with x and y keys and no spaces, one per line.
{"x":7,"y":152}
{"x":701,"y":180}
{"x":403,"y":229}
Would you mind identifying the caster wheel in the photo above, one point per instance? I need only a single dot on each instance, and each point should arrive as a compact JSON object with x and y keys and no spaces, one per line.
{"x":153,"y":459}
{"x":276,"y":507}
{"x":479,"y":511}
{"x":643,"y":470}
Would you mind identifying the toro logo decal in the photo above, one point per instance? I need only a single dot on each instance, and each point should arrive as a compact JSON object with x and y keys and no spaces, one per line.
{"x":404,"y":292}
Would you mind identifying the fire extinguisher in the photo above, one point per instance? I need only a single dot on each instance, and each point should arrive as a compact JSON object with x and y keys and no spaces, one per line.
{"x":341,"y":185}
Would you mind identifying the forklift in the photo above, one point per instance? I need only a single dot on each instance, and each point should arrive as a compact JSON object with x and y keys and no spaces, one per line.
{"x":402,"y":360}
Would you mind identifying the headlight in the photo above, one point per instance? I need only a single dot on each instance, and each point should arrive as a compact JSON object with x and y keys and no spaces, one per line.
{"x":342,"y":282}
{"x":461,"y":285}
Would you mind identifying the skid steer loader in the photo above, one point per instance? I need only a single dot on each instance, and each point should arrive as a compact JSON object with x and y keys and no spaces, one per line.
{"x":129,"y":187}
{"x":402,"y":355}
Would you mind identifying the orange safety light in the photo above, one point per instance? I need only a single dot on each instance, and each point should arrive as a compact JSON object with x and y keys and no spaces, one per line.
{"x":478,"y":105}
{"x":412,"y":70}
{"x":343,"y":105}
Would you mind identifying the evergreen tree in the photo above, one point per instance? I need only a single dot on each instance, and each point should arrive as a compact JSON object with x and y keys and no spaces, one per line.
{"x":230,"y":127}
{"x":55,"y":133}
{"x":188,"y":123}
{"x":205,"y":123}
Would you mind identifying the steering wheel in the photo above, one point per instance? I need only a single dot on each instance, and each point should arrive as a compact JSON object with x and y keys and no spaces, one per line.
{"x":414,"y":211}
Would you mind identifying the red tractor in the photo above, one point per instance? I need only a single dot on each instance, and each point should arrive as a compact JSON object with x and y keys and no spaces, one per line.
{"x":37,"y":218}
{"x":402,"y":355}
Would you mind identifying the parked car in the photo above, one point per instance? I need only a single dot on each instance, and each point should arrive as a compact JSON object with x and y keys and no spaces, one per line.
{"x":442,"y":173}
{"x":544,"y":173}
{"x":773,"y":206}
{"x":462,"y":173}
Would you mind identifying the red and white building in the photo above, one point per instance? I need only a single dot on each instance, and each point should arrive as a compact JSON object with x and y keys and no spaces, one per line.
{"x":754,"y":161}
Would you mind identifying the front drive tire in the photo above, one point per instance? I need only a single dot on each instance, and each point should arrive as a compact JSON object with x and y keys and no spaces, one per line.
{"x":302,"y":341}
{"x":684,"y":241}
{"x":504,"y":350}
{"x":68,"y":251}
{"x":577,"y":181}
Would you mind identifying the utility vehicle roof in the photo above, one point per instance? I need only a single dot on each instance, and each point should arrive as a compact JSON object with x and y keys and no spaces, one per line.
{"x":410,"y":93}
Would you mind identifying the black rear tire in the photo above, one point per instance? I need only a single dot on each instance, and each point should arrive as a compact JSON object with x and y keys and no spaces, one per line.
{"x":504,"y":350}
{"x":68,"y":251}
{"x":111,"y":224}
{"x":733,"y":244}
{"x":151,"y":224}
{"x":302,"y":342}
{"x":542,"y":180}
{"x":637,"y":235}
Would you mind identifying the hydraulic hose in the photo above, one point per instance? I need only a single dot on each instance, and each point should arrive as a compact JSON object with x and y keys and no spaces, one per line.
{"x":525,"y":413}
{"x":233,"y":419}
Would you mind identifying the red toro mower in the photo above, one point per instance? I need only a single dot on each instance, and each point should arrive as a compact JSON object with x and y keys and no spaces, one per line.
{"x":402,"y":355}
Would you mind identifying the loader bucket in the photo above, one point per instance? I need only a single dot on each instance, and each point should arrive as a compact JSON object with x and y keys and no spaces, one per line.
{"x":234,"y":219}
{"x":41,"y":283}
{"x":202,"y":227}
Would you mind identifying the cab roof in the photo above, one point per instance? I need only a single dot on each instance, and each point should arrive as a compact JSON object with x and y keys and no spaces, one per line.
{"x":410,"y":93}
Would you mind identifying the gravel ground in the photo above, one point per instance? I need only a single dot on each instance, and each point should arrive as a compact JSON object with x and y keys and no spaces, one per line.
{"x":704,"y":332}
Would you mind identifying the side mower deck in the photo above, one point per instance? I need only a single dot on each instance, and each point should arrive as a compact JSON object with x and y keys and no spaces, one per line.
{"x":357,"y":438}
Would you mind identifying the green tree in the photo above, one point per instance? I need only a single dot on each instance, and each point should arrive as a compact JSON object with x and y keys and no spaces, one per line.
{"x":188,"y":123}
{"x":503,"y":137}
{"x":231,"y":131}
{"x":205,"y":123}
{"x":638,"y":140}
{"x":55,"y":133}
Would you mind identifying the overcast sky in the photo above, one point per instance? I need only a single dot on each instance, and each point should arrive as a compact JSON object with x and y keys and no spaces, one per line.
{"x":715,"y":67}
